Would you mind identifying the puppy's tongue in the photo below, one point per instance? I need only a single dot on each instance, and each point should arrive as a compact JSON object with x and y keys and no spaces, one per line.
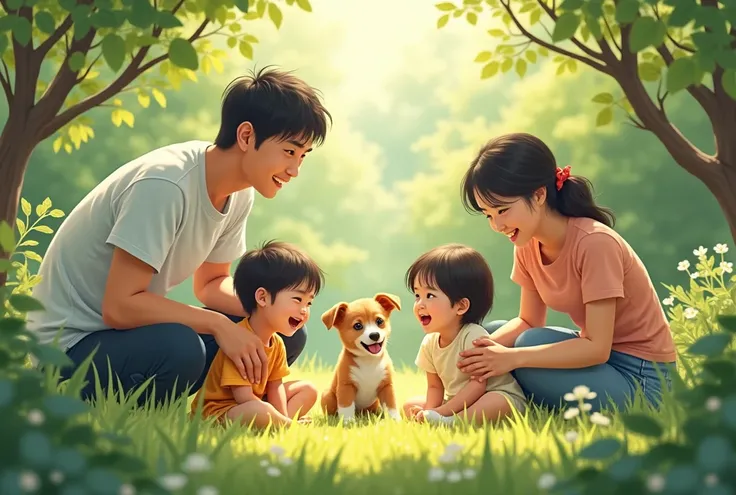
{"x":374,"y":348}
{"x":426,"y":320}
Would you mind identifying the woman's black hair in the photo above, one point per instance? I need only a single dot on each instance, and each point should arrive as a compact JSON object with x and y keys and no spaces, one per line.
{"x":516,"y":165}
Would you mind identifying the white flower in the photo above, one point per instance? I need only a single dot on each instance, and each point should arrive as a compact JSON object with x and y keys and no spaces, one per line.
{"x":711,"y":480}
{"x":713,"y":404}
{"x":435,"y":474}
{"x":447,"y":458}
{"x":726,"y":266}
{"x":454,"y":476}
{"x":700,"y":251}
{"x":683,"y":265}
{"x":469,"y":474}
{"x":454,"y":448}
{"x":277,"y":451}
{"x":694,"y":275}
{"x":571,"y":413}
{"x":35,"y":417}
{"x":264,"y":463}
{"x":668,"y":301}
{"x":587,"y":407}
{"x":127,"y":489}
{"x":571,"y":436}
{"x":690,"y":313}
{"x":721,"y":248}
{"x":29,"y":481}
{"x":273,"y":471}
{"x":56,"y":477}
{"x":546,"y":481}
{"x":196,"y":463}
{"x":207,"y":490}
{"x":173,"y":481}
{"x":287,"y":461}
{"x":655,"y":483}
{"x":599,"y":419}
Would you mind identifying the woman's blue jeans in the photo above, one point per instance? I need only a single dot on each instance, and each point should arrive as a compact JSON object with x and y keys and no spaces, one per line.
{"x":613,"y":381}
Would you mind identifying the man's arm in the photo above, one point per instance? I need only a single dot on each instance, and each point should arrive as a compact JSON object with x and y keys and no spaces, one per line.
{"x":213,"y":287}
{"x":277,"y":395}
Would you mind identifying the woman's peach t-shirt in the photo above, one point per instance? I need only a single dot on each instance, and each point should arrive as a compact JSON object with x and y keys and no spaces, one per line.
{"x":596,"y":263}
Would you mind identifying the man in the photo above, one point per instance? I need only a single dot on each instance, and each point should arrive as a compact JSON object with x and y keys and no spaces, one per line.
{"x":176,"y":212}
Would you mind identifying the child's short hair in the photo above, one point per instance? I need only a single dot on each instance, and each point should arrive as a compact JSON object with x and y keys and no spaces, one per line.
{"x":275,"y":266}
{"x":459,"y":271}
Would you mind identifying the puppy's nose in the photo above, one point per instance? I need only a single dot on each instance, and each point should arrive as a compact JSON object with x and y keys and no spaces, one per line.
{"x":374,"y":336}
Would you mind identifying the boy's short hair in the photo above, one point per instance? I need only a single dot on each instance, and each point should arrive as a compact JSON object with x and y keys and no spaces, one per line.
{"x":278,"y":105}
{"x":275,"y":266}
{"x":459,"y":271}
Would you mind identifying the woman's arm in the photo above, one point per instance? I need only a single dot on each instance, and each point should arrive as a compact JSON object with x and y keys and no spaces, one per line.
{"x":591,"y":348}
{"x":532,"y":314}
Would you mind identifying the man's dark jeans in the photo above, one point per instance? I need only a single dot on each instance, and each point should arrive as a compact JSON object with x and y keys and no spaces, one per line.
{"x":172,"y":353}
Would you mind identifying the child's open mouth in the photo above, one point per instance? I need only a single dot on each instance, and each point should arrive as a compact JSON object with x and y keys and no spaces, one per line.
{"x":294,"y":322}
{"x":425,"y":319}
{"x":373,"y":348}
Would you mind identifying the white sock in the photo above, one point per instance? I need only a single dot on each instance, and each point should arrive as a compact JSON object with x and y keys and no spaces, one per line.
{"x":436,"y":418}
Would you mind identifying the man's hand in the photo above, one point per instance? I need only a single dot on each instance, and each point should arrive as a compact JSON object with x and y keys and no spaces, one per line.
{"x":244,"y":348}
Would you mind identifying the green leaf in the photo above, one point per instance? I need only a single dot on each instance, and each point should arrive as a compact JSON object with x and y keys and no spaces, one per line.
{"x":3,"y":43}
{"x":35,"y":448}
{"x":489,"y":70}
{"x":483,"y":57}
{"x":685,"y":478}
{"x":600,"y":449}
{"x":274,"y":12}
{"x":649,"y":71}
{"x":625,"y":468}
{"x":683,"y":14}
{"x":183,"y":54}
{"x":728,"y":322}
{"x":64,"y":406}
{"x":141,"y":14}
{"x":106,"y":18}
{"x":22,"y":31}
{"x":5,"y":265}
{"x":604,"y":117}
{"x":45,"y":22}
{"x":442,"y":21}
{"x":606,"y":98}
{"x":445,"y":6}
{"x":14,"y":4}
{"x":24,"y":303}
{"x":568,"y":5}
{"x":7,"y":391}
{"x":25,"y":206}
{"x":102,"y":481}
{"x":472,"y":18}
{"x":710,"y":345}
{"x":728,"y":79}
{"x":246,"y":49}
{"x":521,"y":67}
{"x":642,"y":424}
{"x":646,"y":32}
{"x":681,"y":74}
{"x":11,"y":325}
{"x":304,"y":5}
{"x":76,"y":61}
{"x":7,"y":237}
{"x":167,"y":20}
{"x":113,"y":49}
{"x":626,"y":11}
{"x":714,"y":453}
{"x":565,"y":26}
{"x":242,"y":5}
{"x":51,"y":355}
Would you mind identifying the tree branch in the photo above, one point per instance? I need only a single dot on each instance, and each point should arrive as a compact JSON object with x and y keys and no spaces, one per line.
{"x":26,"y":73}
{"x":133,"y":70}
{"x":6,"y":88}
{"x":49,"y":42}
{"x":595,"y":64}
{"x":610,"y":32}
{"x":89,"y":69}
{"x":593,"y":54}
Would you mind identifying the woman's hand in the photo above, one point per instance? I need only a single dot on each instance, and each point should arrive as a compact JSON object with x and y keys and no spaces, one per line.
{"x":487,"y":359}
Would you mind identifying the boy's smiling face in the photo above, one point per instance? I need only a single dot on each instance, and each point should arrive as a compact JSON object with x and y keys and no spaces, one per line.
{"x":433,"y":309}
{"x":289,"y":311}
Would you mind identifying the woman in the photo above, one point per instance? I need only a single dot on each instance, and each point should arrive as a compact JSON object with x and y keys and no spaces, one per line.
{"x":568,"y":258}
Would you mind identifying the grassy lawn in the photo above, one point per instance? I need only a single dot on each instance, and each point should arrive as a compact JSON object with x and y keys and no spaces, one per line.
{"x":378,"y":456}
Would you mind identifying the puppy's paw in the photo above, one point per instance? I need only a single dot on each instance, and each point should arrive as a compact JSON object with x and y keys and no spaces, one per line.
{"x":347,"y":414}
{"x":394,"y":414}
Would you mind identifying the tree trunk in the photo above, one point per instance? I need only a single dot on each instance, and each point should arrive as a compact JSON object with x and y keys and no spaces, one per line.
{"x":16,"y":146}
{"x":723,"y":186}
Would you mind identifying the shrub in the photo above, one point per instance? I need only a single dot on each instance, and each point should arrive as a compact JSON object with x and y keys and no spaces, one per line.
{"x":697,"y":454}
{"x":48,"y":444}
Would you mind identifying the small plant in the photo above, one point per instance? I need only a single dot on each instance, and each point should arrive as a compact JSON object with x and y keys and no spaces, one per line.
{"x":697,"y":454}
{"x":48,"y":445}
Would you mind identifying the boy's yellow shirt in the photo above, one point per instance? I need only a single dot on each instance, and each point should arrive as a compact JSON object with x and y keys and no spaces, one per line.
{"x":218,"y":396}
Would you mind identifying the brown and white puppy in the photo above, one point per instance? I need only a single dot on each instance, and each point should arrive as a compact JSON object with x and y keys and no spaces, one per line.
{"x":363,"y":379}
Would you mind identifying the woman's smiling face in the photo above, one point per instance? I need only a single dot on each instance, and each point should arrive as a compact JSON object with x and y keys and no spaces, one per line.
{"x":514,"y":217}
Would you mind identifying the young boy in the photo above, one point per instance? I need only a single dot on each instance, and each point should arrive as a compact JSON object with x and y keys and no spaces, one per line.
{"x":453,"y":288}
{"x":276,"y":285}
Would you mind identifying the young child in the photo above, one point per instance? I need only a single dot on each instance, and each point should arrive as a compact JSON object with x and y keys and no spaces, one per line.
{"x":453,"y":288}
{"x":276,"y":285}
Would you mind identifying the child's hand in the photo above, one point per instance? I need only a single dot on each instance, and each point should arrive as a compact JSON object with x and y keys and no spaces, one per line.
{"x":416,"y":413}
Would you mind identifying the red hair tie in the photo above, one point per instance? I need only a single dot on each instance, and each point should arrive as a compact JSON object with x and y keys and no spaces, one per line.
{"x":562,"y":175}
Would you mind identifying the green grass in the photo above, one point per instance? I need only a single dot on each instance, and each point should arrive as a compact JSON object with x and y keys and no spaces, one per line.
{"x":370,"y":457}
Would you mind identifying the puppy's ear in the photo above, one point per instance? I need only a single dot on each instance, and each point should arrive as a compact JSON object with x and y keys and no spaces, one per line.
{"x":388,"y":301}
{"x":334,"y":315}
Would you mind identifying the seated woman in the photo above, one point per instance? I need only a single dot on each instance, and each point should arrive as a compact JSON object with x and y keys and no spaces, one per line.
{"x":567,"y":257}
